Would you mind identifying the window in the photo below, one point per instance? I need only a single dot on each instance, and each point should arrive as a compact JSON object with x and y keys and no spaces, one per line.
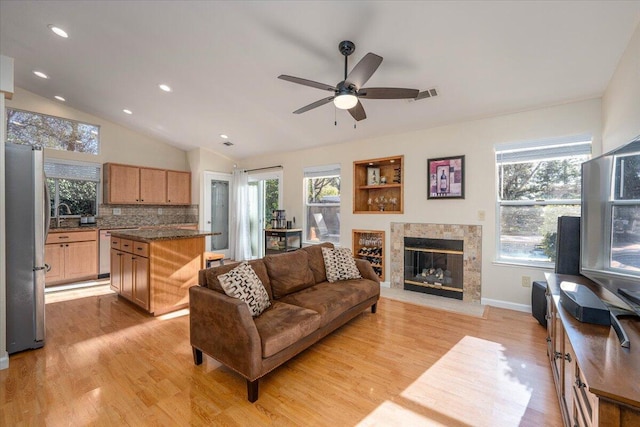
{"x":625,"y":208}
{"x":25,"y":127}
{"x":322,"y":204}
{"x":538,"y":181}
{"x":73,"y":184}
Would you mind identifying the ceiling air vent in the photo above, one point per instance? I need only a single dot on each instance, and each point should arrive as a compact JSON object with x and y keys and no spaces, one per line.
{"x":429,"y":93}
{"x":227,"y":143}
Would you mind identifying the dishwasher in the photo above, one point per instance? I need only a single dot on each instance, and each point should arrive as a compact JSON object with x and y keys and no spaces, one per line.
{"x":105,"y":250}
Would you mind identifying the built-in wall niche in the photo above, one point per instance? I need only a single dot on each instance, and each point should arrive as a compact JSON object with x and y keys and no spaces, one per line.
{"x":378,"y":186}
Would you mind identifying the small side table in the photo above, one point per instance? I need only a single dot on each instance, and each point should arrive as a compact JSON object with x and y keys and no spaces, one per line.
{"x":281,"y":240}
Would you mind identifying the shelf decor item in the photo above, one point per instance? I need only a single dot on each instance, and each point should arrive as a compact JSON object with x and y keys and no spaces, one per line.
{"x":445,"y":178}
{"x":373,"y":176}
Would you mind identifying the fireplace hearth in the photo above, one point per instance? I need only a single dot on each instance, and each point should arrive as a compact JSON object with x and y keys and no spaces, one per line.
{"x":452,"y":269}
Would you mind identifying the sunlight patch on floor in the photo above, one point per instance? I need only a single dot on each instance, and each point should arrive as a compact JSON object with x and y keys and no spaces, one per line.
{"x":390,"y":414}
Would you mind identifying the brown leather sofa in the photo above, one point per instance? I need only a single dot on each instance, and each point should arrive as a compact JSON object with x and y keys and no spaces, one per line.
{"x":305,"y":307}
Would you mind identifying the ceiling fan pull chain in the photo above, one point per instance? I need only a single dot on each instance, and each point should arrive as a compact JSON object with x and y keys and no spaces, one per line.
{"x":335,"y":116}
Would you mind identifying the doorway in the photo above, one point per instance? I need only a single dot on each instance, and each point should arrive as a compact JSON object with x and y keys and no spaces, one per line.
{"x":265,"y":196}
{"x":217,"y":192}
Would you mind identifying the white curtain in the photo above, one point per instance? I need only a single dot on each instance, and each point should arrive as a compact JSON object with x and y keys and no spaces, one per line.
{"x":240,"y":242}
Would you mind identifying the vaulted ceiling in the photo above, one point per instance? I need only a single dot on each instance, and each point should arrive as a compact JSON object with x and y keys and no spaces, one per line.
{"x":222,"y":60}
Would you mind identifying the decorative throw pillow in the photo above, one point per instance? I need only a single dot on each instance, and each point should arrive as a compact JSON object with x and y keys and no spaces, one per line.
{"x":340,"y":264}
{"x":243,"y":283}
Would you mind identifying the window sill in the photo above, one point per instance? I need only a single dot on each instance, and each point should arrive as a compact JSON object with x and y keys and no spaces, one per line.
{"x":524,"y":264}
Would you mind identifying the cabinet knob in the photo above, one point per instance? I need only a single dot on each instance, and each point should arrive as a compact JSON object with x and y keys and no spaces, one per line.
{"x":579,"y":383}
{"x":557,"y":355}
{"x":548,"y":339}
{"x":567,"y":357}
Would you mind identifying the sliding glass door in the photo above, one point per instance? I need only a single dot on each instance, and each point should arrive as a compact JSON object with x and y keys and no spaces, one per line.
{"x":265,"y":196}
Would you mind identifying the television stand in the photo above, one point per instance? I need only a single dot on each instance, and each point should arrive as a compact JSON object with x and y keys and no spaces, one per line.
{"x":597,"y":380}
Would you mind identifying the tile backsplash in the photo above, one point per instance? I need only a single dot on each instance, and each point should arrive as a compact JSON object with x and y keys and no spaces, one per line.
{"x":143,"y":216}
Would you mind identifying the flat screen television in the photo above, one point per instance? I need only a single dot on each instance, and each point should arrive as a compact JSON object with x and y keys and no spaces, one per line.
{"x":610,"y":232}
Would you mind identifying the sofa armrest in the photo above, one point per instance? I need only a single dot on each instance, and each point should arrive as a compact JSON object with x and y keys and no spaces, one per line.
{"x":366,"y":271}
{"x":223,"y":328}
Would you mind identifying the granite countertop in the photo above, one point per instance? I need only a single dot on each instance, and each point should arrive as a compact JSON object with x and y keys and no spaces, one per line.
{"x":161,"y":234}
{"x":72,"y":229}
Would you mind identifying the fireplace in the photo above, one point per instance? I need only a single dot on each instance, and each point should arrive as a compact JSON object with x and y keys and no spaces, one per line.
{"x":466,"y":284}
{"x":434,"y":266}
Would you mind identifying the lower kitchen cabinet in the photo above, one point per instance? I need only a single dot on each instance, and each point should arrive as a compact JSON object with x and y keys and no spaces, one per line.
{"x":71,"y":256}
{"x":130,"y":273}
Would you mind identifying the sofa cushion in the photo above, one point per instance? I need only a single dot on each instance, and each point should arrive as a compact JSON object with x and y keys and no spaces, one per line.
{"x":288,"y":272}
{"x":340,"y":264}
{"x":283,"y":325}
{"x":212,"y":282}
{"x":243,"y":283}
{"x":333,"y":299}
{"x":316,"y":260}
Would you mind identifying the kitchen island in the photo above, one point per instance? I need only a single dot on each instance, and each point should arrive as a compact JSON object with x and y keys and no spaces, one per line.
{"x":155,"y":268}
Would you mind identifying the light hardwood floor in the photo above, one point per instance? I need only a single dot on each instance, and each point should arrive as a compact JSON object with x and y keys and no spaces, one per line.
{"x":107,"y":363}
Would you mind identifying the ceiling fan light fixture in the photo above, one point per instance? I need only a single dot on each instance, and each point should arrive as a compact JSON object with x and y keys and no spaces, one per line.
{"x":345,"y":101}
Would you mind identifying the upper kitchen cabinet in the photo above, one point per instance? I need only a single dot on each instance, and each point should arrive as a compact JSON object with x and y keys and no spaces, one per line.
{"x":178,"y":188}
{"x":131,"y":185}
{"x":121,"y":184}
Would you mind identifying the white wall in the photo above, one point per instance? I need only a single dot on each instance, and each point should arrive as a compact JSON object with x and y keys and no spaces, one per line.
{"x":475,"y":140}
{"x":117,"y":143}
{"x":621,"y":101}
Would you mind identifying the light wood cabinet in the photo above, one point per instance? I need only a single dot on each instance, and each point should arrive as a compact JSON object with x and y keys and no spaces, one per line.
{"x":127,"y":184}
{"x":378,"y":186}
{"x":71,"y":256}
{"x":153,"y":186}
{"x":157,"y":274}
{"x":178,"y":188}
{"x":130,"y":271}
{"x":122,"y":184}
{"x":369,"y":245}
{"x":596,"y":379}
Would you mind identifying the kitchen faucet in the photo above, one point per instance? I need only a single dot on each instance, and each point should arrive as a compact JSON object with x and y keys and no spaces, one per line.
{"x":58,"y":216}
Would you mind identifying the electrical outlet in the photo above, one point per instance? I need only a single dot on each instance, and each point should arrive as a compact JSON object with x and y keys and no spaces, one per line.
{"x":526,"y":281}
{"x":117,"y":211}
{"x":159,"y":211}
{"x":481,"y":215}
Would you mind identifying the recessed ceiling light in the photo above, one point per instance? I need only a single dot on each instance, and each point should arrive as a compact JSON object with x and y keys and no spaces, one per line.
{"x":59,"y":31}
{"x":41,"y":74}
{"x":59,"y":98}
{"x":223,"y":136}
{"x":165,"y":87}
{"x":127,"y":111}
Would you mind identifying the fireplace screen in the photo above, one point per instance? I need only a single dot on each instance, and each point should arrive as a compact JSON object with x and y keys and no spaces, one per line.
{"x":434,"y":266}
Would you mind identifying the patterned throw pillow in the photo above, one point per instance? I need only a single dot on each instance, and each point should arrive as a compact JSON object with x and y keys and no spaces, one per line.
{"x":340,"y":264}
{"x":243,"y":283}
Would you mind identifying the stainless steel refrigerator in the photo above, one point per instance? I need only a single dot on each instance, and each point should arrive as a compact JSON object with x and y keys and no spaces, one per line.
{"x":27,"y":224}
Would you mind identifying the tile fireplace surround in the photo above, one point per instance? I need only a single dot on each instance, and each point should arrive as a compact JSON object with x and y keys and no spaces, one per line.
{"x":471,"y":235}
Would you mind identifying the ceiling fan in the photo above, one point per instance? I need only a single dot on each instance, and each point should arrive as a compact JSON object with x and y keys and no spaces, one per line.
{"x":348,"y":92}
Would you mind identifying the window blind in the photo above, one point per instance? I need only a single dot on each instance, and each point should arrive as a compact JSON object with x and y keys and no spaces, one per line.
{"x":323,"y":170}
{"x":531,"y":151}
{"x":68,"y":169}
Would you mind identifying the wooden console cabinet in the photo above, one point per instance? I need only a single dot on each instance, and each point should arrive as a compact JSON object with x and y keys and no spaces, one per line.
{"x":127,"y":184}
{"x":597,"y":380}
{"x":71,"y":256}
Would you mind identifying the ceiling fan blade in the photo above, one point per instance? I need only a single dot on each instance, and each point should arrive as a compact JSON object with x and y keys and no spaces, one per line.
{"x":357,"y":112}
{"x":306,"y":82}
{"x":387,"y":93}
{"x":314,"y":105}
{"x":363,"y":70}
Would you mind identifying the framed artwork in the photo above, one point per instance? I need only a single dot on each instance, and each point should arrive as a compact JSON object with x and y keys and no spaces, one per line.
{"x":445,"y":178}
{"x":373,"y":176}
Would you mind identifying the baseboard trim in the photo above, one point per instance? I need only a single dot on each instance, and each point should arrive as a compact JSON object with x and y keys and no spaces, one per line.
{"x":506,"y":304}
{"x":385,"y":285}
{"x":4,"y":361}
